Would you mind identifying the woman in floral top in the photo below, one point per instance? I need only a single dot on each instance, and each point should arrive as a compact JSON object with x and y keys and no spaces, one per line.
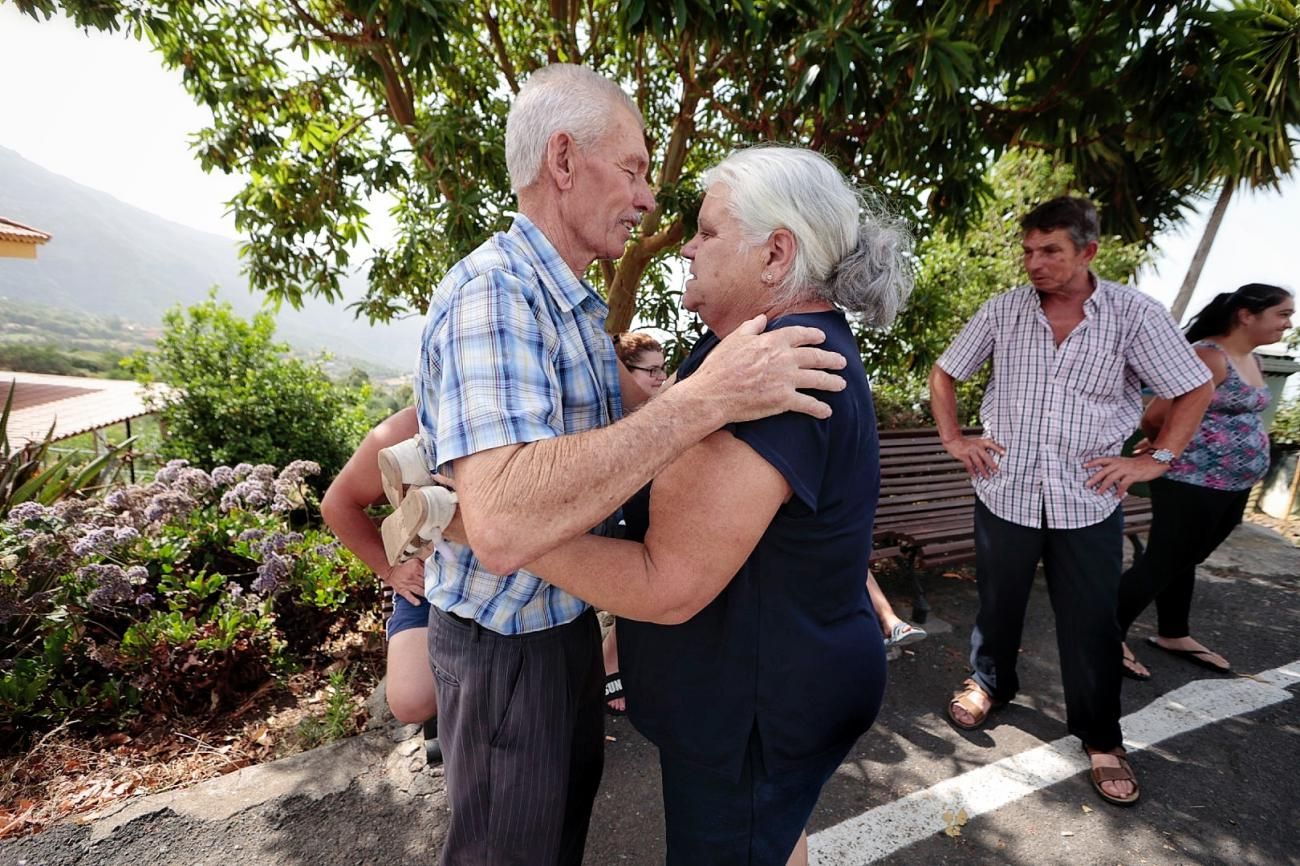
{"x":1202,"y":497}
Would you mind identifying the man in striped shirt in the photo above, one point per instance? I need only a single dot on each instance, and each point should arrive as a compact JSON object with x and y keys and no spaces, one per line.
{"x":519,"y":401}
{"x":1070,"y":355}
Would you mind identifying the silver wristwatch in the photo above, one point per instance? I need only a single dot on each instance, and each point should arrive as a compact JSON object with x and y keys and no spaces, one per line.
{"x":1163,"y":455}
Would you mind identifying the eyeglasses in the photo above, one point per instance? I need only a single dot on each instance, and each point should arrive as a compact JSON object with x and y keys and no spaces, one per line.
{"x":659,"y":371}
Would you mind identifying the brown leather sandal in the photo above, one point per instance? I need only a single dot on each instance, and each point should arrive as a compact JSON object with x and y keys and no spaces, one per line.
{"x":1122,"y":773}
{"x":965,"y":699}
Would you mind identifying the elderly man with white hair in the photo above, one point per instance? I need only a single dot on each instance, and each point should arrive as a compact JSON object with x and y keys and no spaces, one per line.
{"x":518,"y":400}
{"x":751,"y":652}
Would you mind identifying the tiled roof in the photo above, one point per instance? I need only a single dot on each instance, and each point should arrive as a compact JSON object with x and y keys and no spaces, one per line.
{"x":14,"y":231}
{"x":71,"y":404}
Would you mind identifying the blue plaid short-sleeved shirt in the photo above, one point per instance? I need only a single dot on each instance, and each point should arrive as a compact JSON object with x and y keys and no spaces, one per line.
{"x":514,"y":351}
{"x":1054,"y":408}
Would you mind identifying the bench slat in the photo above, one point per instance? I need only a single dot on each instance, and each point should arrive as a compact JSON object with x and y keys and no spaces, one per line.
{"x":926,"y":509}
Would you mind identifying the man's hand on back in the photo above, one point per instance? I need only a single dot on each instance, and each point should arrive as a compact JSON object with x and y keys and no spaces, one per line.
{"x":753,"y":374}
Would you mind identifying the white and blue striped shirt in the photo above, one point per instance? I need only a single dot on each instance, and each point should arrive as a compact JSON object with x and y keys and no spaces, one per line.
{"x":514,"y":351}
{"x":1054,"y":408}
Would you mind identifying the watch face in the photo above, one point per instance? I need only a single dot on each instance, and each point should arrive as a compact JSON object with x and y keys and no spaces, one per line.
{"x":1162,"y":455}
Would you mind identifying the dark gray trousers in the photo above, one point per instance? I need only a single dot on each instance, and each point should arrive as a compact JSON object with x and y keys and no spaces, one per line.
{"x":522,"y":726}
{"x":1083,"y":569}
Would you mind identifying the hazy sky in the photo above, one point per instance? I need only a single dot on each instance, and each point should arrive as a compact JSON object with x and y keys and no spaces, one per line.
{"x":100,"y":110}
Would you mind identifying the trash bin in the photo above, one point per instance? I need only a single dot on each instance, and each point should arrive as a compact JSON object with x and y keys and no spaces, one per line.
{"x":1277,"y":369}
{"x":1279,"y":494}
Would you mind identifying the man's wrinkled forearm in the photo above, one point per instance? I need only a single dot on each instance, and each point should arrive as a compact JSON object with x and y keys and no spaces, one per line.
{"x":521,"y":504}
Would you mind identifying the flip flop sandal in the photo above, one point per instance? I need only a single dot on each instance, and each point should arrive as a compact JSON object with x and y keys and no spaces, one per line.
{"x":614,"y":691}
{"x":1133,"y":673}
{"x":417,"y":523}
{"x":964,"y":699}
{"x":1122,"y":773}
{"x":1199,"y":657}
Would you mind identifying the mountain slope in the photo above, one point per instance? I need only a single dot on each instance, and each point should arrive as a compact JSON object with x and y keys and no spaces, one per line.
{"x":109,"y":258}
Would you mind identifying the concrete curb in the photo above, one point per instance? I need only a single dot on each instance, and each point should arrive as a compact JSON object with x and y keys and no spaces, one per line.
{"x":393,"y":755}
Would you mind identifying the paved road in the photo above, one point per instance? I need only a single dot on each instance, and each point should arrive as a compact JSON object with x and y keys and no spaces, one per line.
{"x":1218,"y":759}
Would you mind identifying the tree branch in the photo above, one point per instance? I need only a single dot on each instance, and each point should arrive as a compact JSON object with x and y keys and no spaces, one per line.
{"x":499,"y":45}
{"x":316,"y":24}
{"x":655,"y":244}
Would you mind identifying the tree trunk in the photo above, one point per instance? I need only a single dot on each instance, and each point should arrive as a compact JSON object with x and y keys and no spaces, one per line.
{"x":1202,"y":251}
{"x":622,"y":290}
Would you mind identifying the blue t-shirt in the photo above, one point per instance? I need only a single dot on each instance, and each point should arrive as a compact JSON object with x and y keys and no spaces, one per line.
{"x":792,"y":644}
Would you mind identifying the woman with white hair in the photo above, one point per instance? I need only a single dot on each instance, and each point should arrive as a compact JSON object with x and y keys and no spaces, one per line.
{"x":751,"y":654}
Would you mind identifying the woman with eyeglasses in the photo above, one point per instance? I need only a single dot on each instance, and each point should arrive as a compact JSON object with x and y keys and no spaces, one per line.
{"x":643,"y":358}
{"x":1202,"y":498}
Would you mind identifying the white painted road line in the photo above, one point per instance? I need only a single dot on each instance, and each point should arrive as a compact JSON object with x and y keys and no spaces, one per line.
{"x":893,"y":826}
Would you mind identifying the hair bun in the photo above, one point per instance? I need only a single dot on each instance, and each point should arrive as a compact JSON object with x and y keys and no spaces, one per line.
{"x":876,"y":277}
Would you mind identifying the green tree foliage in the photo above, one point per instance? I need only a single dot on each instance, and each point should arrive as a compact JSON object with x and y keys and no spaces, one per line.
{"x":231,"y":394}
{"x":52,"y":359}
{"x":959,"y":272}
{"x":325,"y":104}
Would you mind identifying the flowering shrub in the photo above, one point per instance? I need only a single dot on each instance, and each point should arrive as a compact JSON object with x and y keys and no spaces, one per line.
{"x":1286,"y":425}
{"x":232,"y":393}
{"x":172,"y":597}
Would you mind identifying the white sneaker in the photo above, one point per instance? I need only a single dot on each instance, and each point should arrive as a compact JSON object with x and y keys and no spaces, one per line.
{"x":417,"y":524}
{"x":402,"y":466}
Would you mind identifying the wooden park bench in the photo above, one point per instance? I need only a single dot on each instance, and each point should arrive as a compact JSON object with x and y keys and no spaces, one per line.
{"x":926,"y":515}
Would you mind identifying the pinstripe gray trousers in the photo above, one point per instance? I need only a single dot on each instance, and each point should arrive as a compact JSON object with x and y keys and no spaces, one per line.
{"x":522,"y":726}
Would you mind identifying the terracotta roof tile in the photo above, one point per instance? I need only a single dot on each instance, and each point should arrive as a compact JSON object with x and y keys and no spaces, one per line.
{"x":16,"y":231}
{"x":71,"y":404}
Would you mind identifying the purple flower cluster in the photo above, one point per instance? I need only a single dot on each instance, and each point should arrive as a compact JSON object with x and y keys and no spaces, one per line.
{"x":273,"y":550}
{"x":273,"y":572}
{"x":171,"y":471}
{"x":114,"y":584}
{"x":93,"y":538}
{"x":169,"y":504}
{"x":179,"y":473}
{"x":119,"y":499}
{"x":99,"y":540}
{"x":297,"y":471}
{"x":103,"y":538}
{"x":195,"y":482}
{"x":25,"y":511}
{"x":251,"y":487}
{"x":276,"y":542}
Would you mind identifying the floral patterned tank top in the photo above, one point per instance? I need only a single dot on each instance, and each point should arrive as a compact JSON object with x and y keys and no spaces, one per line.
{"x":1230,"y":448}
